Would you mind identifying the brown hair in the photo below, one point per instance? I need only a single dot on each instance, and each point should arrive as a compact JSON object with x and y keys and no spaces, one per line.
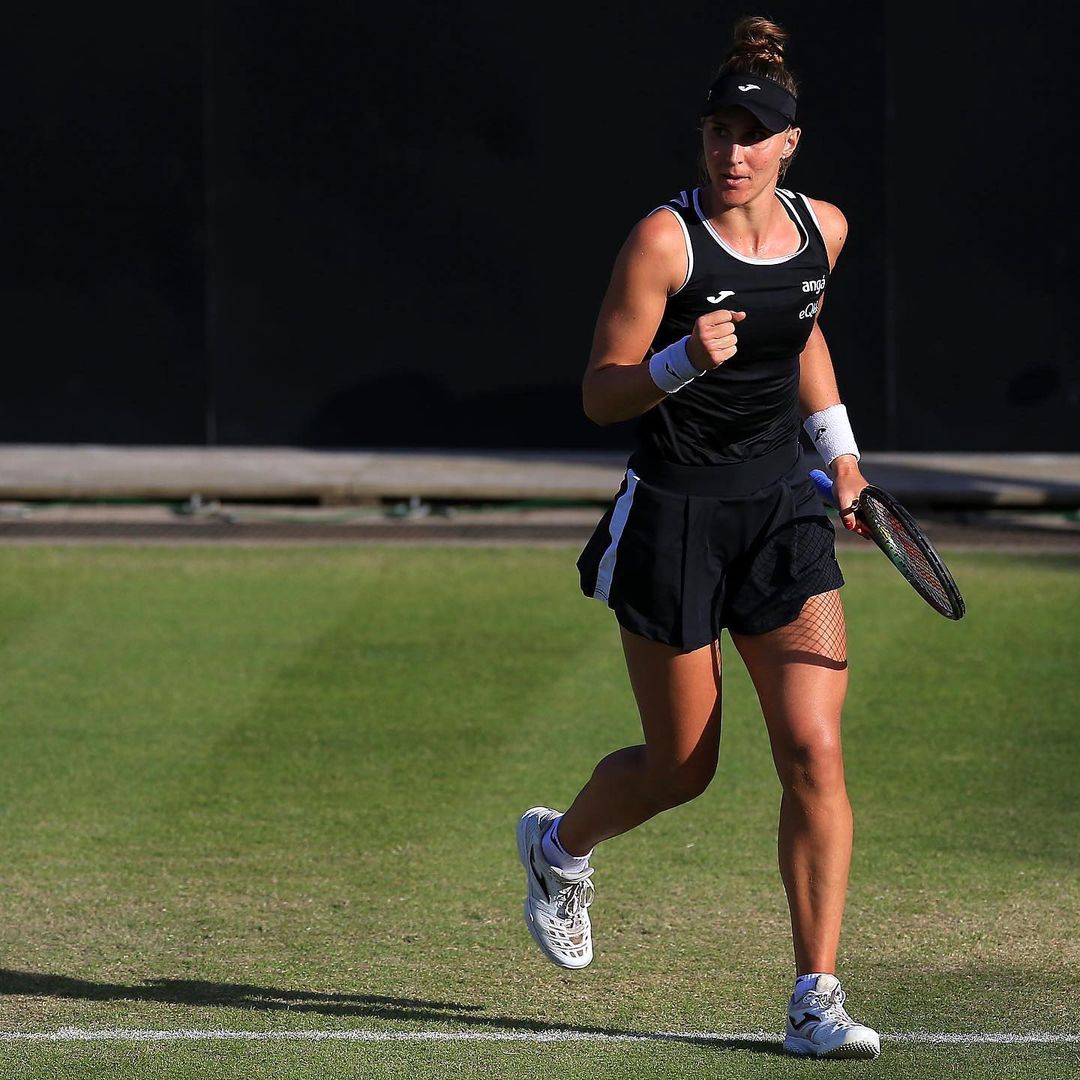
{"x":757,"y":49}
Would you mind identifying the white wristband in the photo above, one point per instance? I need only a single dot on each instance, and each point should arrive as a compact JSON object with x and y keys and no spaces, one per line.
{"x":830,"y":431}
{"x":671,"y":368}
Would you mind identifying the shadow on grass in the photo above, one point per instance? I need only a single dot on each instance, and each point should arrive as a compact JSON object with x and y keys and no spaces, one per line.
{"x":272,"y":999}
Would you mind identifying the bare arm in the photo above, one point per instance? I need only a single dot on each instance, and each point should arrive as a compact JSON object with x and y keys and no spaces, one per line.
{"x":817,"y":378}
{"x":650,"y":266}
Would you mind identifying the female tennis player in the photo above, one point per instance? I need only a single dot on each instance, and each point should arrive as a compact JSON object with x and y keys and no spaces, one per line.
{"x":717,"y":524}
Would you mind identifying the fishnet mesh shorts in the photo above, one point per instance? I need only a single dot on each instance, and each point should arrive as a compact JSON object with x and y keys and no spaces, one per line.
{"x":678,"y":567}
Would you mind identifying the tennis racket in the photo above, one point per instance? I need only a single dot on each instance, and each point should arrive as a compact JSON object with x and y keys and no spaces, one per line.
{"x":897,"y":533}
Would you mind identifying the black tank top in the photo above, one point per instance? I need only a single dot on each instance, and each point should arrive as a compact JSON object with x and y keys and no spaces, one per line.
{"x":749,"y":406}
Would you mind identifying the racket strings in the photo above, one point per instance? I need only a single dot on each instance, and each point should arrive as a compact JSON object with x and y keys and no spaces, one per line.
{"x":909,"y":556}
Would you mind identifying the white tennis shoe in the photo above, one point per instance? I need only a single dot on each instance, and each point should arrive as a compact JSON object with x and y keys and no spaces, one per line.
{"x":556,"y":902}
{"x":818,"y":1025}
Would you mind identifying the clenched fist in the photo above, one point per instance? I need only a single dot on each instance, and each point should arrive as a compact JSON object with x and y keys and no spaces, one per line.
{"x":713,"y":340}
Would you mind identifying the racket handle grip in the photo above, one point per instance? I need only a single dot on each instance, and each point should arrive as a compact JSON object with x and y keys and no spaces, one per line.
{"x":824,"y":484}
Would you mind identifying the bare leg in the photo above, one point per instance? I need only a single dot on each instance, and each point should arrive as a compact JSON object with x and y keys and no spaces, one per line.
{"x":678,"y":697}
{"x":800,"y":673}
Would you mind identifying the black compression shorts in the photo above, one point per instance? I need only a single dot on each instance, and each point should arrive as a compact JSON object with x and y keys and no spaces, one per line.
{"x":684,"y":551}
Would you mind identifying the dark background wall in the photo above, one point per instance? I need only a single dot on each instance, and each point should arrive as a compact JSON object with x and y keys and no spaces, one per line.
{"x":333,"y":225}
{"x":101,"y":170}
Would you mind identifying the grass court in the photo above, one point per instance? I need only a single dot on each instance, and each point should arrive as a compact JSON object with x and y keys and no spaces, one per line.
{"x":271,"y":792}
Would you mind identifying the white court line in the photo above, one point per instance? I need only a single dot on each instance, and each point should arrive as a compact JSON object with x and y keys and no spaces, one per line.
{"x":73,"y":1034}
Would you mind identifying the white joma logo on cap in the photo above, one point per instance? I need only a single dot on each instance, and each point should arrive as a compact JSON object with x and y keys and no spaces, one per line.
{"x":750,"y":86}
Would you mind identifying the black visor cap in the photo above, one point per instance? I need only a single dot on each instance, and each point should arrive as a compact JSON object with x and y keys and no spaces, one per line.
{"x":773,"y":106}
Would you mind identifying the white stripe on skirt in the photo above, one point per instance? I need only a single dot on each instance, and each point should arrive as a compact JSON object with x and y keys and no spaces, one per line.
{"x":606,"y":569}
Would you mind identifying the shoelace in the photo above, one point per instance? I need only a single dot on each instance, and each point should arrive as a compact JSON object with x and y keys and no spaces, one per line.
{"x":574,"y":898}
{"x":831,"y":1005}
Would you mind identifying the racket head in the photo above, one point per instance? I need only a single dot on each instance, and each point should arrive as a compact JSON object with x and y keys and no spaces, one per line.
{"x":907,"y":547}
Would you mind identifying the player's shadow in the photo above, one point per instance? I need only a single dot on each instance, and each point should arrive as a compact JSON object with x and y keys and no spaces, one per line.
{"x":273,"y":999}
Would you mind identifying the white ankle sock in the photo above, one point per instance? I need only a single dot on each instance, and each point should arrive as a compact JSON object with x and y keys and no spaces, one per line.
{"x":557,"y":855}
{"x":805,"y":982}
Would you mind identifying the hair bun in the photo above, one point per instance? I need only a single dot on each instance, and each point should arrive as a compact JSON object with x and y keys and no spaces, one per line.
{"x":756,"y":38}
{"x":758,"y":49}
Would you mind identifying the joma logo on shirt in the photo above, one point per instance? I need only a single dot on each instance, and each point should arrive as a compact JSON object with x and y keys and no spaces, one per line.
{"x":813,"y":286}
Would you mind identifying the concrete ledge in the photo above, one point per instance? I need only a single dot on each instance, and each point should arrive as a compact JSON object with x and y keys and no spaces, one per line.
{"x":84,"y":473}
{"x":1015,"y":532}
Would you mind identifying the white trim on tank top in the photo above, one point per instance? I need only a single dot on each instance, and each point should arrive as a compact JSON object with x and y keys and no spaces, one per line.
{"x":686,"y":240}
{"x":810,"y":211}
{"x":792,"y":213}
